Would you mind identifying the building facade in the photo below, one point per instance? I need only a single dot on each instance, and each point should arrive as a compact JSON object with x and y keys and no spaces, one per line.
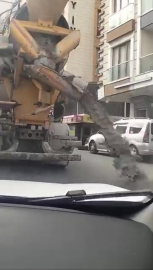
{"x":125,"y":67}
{"x":83,"y":15}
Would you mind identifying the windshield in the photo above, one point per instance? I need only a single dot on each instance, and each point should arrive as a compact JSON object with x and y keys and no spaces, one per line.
{"x":68,"y":118}
{"x":76,"y":134}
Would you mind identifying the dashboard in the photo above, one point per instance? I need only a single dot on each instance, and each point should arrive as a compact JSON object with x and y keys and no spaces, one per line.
{"x":50,"y":238}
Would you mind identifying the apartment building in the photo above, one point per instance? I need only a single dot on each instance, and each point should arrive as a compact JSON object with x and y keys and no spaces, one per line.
{"x":126,"y":57}
{"x":83,"y":15}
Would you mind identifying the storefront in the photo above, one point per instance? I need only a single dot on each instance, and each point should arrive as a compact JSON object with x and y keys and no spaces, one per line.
{"x":81,"y":126}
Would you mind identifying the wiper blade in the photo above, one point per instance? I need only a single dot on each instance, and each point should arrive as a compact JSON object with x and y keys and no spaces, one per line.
{"x":75,"y":196}
{"x":105,"y":203}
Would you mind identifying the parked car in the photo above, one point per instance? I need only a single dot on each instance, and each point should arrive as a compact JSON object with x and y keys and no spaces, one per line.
{"x":138,"y":133}
{"x":96,"y":143}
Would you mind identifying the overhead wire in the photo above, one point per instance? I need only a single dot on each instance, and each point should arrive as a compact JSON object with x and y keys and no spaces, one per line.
{"x":14,"y":4}
{"x":5,"y":1}
{"x":9,"y":11}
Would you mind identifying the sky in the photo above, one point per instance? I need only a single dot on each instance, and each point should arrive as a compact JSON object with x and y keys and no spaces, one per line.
{"x":4,"y":6}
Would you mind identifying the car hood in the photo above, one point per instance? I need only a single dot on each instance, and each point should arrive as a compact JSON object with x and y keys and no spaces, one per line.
{"x":40,"y":189}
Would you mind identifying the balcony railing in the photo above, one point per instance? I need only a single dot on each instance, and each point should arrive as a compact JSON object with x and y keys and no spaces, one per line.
{"x":146,"y":5}
{"x":146,"y":63}
{"x":122,"y":16}
{"x":120,"y":71}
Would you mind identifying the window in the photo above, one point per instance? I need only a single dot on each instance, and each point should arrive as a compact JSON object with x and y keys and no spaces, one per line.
{"x":121,"y":129}
{"x":120,"y":61}
{"x":136,"y":127}
{"x":146,"y":5}
{"x":140,"y":112}
{"x":119,"y":4}
{"x":134,"y":130}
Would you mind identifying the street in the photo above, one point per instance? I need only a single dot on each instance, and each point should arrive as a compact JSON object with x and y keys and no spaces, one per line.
{"x":92,"y":169}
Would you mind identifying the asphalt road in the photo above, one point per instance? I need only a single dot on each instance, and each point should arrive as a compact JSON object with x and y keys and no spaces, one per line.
{"x":93,"y":168}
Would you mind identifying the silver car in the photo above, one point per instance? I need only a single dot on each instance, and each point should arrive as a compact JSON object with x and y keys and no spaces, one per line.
{"x":138,"y":133}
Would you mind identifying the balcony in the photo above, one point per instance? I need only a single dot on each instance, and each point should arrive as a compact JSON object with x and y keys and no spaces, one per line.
{"x":119,"y":72}
{"x":147,"y":15}
{"x":121,"y":23}
{"x":146,"y":6}
{"x":122,"y":16}
{"x":146,"y":63}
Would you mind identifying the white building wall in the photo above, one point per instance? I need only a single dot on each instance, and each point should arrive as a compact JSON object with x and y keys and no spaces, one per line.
{"x":104,"y":48}
{"x":81,"y":59}
{"x":135,"y":36}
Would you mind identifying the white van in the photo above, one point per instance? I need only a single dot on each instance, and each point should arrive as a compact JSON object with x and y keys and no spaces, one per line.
{"x":138,"y":133}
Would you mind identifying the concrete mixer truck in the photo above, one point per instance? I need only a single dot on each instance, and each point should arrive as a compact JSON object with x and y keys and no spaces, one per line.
{"x":35,"y":44}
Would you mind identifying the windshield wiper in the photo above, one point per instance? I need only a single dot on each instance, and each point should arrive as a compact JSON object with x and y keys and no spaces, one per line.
{"x":79,"y":200}
{"x":80,"y":195}
{"x":110,"y":204}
